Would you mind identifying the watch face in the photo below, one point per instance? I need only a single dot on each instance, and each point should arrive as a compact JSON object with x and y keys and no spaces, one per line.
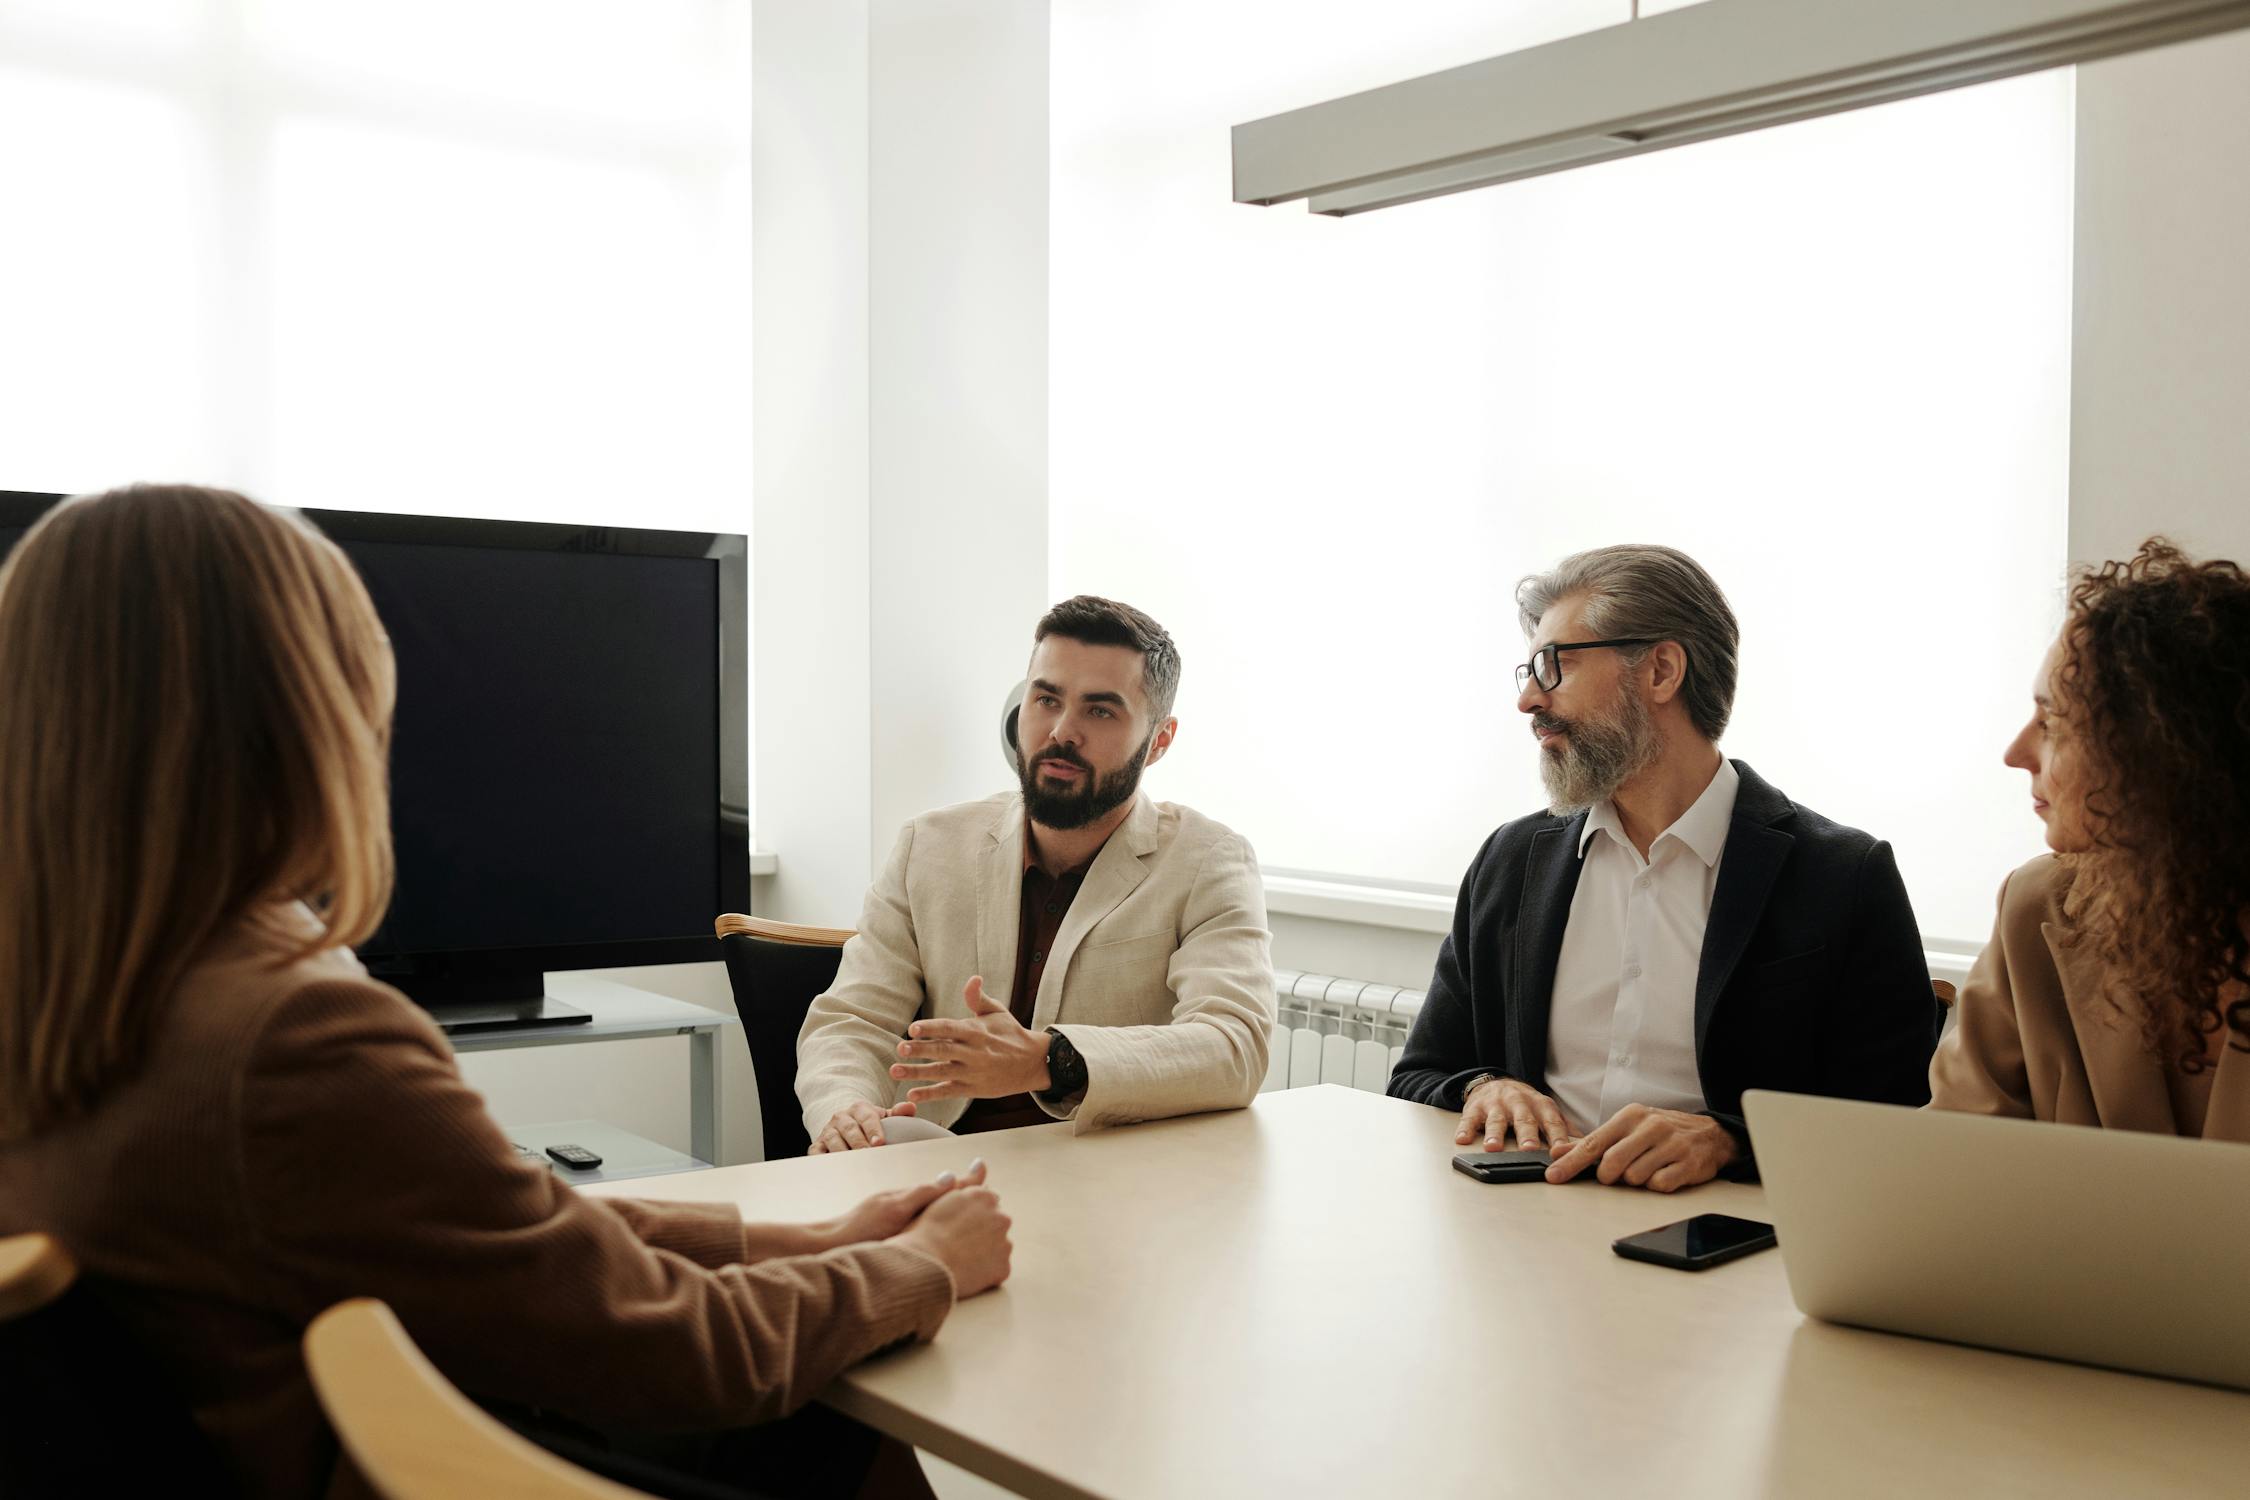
{"x":1066,"y":1073}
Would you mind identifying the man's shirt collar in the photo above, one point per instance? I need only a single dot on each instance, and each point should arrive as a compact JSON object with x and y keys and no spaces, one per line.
{"x":1702,"y":828}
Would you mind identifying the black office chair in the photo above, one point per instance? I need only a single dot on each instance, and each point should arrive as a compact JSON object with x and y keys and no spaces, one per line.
{"x":83,"y":1410}
{"x":777,"y":969}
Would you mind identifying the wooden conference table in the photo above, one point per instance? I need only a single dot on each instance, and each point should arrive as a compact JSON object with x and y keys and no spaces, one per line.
{"x":1304,"y":1299}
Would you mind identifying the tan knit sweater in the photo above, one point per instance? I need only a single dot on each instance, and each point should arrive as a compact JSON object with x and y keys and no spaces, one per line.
{"x":300,"y":1135}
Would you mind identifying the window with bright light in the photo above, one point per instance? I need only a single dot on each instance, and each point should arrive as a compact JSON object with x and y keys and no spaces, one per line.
{"x":1830,"y":361}
{"x":461,"y":257}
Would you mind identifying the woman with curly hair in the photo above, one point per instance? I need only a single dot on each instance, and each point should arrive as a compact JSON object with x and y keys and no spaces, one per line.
{"x":2116,"y":988}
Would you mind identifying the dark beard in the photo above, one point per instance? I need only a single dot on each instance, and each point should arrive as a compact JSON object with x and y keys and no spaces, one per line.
{"x":1094,"y":798}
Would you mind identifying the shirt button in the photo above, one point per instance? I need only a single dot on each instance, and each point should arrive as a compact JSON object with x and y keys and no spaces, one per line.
{"x":1053,"y":910}
{"x":1632,"y":971}
{"x":1640,"y":883}
{"x":1038,"y":958}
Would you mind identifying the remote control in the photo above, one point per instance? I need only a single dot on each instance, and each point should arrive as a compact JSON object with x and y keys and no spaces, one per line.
{"x":577,"y":1158}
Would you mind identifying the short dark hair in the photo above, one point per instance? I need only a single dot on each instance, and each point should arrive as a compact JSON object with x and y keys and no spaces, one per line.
{"x":1105,"y":622}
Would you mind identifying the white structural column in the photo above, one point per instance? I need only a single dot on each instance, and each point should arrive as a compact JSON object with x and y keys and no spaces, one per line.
{"x":2160,"y":384}
{"x":957,"y":390}
{"x":900,"y":541}
{"x":810,"y":517}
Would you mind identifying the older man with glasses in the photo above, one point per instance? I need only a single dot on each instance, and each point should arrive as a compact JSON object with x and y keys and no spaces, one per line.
{"x":1673,"y":930}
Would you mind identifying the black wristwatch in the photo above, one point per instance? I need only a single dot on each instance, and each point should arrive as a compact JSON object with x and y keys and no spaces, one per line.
{"x":1066,"y":1070}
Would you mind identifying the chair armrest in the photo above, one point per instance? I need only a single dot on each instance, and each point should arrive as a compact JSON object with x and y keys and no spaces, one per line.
{"x":734,"y":924}
{"x":411,"y":1434}
{"x":34,"y":1270}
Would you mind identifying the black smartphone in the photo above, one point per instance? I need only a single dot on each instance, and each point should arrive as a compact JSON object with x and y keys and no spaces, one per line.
{"x":1503,"y":1166}
{"x":1699,"y":1243}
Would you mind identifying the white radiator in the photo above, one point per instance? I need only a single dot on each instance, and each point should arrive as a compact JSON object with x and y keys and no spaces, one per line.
{"x":1332,"y":1030}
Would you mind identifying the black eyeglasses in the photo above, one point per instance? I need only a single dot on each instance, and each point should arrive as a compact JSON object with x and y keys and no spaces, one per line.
{"x":1545,"y":666}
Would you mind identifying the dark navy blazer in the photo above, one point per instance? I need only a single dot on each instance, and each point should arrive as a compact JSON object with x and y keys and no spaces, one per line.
{"x":1812,"y":978}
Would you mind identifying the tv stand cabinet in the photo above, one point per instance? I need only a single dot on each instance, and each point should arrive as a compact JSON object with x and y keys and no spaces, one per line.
{"x":622,"y":1013}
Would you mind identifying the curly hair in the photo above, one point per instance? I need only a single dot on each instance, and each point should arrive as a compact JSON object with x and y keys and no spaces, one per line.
{"x":2154,"y":682}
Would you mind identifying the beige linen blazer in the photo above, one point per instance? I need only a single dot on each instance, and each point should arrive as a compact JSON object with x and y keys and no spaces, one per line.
{"x":2033,"y":1039}
{"x":1162,"y":976}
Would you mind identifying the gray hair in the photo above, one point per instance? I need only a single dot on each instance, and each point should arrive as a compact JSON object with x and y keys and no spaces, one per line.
{"x":1657,"y":592}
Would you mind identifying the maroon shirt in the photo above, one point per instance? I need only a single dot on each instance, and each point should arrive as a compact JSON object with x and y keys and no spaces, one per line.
{"x":1046,"y":901}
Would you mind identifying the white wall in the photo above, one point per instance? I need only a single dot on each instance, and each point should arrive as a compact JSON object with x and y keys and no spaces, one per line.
{"x":957,"y":436}
{"x":2160,"y":410}
{"x":900,"y":538}
{"x":899,"y":527}
{"x":809,"y":542}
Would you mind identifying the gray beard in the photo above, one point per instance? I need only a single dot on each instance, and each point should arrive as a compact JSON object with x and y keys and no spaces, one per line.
{"x":1600,"y":756}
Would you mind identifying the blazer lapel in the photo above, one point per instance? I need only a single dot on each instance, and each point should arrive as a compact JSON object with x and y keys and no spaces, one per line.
{"x":1550,"y":879}
{"x":2124,"y":1079}
{"x":1115,"y":872}
{"x":999,"y":907}
{"x":1754,"y":855}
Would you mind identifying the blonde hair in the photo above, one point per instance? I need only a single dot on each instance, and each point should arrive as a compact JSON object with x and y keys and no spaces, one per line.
{"x":194,"y":719}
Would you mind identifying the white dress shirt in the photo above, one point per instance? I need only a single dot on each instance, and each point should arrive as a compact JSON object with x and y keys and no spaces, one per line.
{"x":1622,"y":1026}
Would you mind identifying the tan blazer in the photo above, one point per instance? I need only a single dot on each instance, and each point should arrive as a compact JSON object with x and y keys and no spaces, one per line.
{"x":2032,"y":1039}
{"x":300,"y":1135}
{"x":1161,"y":977}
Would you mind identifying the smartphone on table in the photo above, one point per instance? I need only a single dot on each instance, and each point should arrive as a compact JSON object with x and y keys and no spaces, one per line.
{"x":1699,"y":1243}
{"x":1503,"y":1166}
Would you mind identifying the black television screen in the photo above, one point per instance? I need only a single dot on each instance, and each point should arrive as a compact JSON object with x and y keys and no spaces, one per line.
{"x":569,"y":760}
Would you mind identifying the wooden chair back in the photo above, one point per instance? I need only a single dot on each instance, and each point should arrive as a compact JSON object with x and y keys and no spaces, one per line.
{"x":777,"y":969}
{"x":411,"y":1434}
{"x":35,"y":1270}
{"x":83,"y":1409}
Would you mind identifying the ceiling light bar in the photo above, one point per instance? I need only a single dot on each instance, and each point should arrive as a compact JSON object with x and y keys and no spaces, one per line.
{"x":1695,"y":74}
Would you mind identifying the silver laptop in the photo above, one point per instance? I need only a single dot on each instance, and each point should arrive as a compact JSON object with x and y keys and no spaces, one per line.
{"x":2108,"y":1247}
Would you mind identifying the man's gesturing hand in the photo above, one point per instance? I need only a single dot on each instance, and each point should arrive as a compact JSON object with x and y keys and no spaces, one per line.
{"x":985,"y":1057}
{"x":1664,"y":1149}
{"x":855,"y":1127}
{"x":1500,"y":1105}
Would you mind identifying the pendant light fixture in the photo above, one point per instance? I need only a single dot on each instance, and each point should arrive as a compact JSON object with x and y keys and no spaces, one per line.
{"x":1693,"y":74}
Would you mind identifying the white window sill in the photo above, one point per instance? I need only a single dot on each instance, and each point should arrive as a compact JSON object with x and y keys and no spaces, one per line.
{"x":1368,"y":905}
{"x":1297,"y":895}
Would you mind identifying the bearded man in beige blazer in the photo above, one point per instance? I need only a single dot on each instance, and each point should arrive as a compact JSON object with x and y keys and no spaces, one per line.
{"x":1067,"y":951}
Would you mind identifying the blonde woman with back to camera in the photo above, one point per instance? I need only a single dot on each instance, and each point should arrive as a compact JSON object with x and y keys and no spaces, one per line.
{"x":2116,"y":988}
{"x":195,"y":699}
